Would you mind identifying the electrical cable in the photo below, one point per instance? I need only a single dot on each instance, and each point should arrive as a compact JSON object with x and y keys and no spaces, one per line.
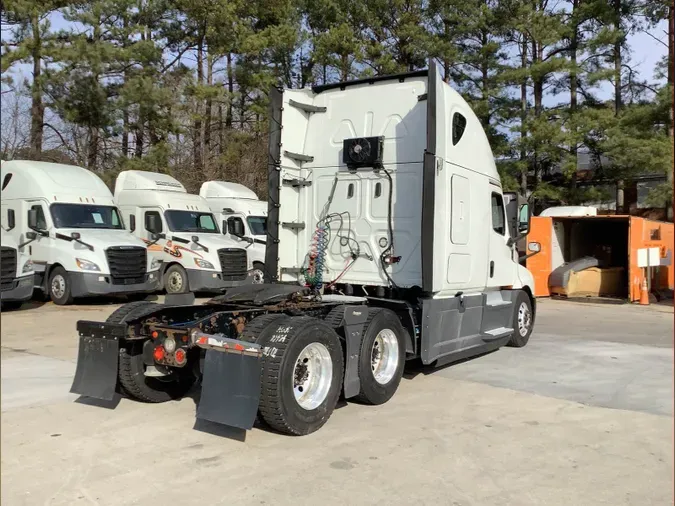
{"x":390,"y":246}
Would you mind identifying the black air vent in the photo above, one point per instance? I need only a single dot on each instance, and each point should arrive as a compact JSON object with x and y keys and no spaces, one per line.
{"x":7,"y":268}
{"x":233,"y":264}
{"x":127,"y":264}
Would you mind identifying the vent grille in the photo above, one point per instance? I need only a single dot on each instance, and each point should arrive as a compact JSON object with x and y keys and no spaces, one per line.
{"x":127,"y":264}
{"x":233,"y":264}
{"x":7,"y":268}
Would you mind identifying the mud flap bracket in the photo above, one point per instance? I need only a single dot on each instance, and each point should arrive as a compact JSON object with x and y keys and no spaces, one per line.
{"x":353,"y":320}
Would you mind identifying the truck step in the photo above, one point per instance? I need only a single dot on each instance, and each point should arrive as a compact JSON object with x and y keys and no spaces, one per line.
{"x":498,"y":333}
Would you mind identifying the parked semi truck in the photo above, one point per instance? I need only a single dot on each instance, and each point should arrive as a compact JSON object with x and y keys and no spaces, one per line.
{"x":16,"y":267}
{"x":388,"y":240}
{"x":181,"y":229}
{"x":79,"y":246}
{"x":238,"y":208}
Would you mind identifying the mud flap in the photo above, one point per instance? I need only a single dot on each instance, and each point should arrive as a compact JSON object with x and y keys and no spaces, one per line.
{"x":230,"y":389}
{"x":97,"y":359}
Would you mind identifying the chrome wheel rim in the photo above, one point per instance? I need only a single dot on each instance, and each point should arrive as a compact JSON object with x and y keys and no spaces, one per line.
{"x":175,"y":283}
{"x":258,"y":276}
{"x":384,"y":356}
{"x":58,"y":286}
{"x":524,"y":319}
{"x":312,"y":376}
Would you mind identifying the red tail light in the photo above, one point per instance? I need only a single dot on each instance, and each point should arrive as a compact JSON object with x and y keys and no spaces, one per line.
{"x":158,"y":354}
{"x":180,"y":356}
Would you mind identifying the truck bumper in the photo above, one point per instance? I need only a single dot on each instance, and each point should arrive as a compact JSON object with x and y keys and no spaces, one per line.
{"x":210,"y":281}
{"x":22,"y":289}
{"x":86,"y":284}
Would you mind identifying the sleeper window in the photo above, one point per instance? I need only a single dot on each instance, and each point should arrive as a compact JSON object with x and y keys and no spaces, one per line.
{"x":458,"y":127}
{"x":498,"y":220}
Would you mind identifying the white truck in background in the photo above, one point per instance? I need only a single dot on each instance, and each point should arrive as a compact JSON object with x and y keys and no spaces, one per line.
{"x":16,"y":267}
{"x":238,"y":208}
{"x":66,"y":217}
{"x":181,"y":229}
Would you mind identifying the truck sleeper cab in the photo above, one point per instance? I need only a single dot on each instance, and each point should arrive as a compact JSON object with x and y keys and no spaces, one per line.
{"x":243,"y":217}
{"x":390,"y":214}
{"x":182,"y":231}
{"x":79,"y":246}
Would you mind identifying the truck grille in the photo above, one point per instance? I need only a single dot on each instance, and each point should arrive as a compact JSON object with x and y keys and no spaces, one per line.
{"x":127,"y":264}
{"x":233,"y":264}
{"x":7,"y":268}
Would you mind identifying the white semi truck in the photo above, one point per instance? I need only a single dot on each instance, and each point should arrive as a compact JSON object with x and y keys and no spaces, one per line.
{"x":181,"y":229}
{"x":388,"y":240}
{"x":16,"y":267}
{"x":79,"y":246}
{"x":238,"y":208}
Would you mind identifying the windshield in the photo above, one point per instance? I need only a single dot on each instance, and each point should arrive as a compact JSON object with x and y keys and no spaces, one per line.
{"x":257,"y":224}
{"x":85,"y":216}
{"x":191,"y":221}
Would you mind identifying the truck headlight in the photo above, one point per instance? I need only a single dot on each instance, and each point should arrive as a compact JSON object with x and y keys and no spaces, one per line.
{"x":154,"y":264}
{"x":203,"y":264}
{"x":86,"y":265}
{"x":27,"y":267}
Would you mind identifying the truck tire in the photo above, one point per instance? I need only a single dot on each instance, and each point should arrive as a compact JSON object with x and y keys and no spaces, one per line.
{"x":302,"y":372}
{"x":131,"y":368}
{"x":523,"y":321}
{"x":258,"y":273}
{"x":382,"y":356}
{"x":176,"y":280}
{"x":58,"y":286}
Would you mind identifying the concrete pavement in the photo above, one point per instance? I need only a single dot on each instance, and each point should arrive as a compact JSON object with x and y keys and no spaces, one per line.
{"x":582,"y":415}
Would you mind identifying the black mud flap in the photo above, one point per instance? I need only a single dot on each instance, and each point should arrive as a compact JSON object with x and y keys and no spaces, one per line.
{"x":97,"y":359}
{"x":230,"y":389}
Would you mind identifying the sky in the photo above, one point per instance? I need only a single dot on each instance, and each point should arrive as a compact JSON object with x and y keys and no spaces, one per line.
{"x":646,"y":52}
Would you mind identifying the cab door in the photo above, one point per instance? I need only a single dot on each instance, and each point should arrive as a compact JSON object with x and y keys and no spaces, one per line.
{"x":501,"y":267}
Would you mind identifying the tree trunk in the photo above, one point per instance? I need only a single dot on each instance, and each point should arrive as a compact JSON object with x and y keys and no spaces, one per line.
{"x":574,"y":148}
{"x":617,"y":93}
{"x":538,"y":92}
{"x":209,"y":107}
{"x":344,"y":67}
{"x":485,"y":81}
{"x":446,"y":60}
{"x":230,"y":91}
{"x":197,"y":135}
{"x":140,"y":132}
{"x":37,"y":110}
{"x":671,"y":63}
{"x":523,"y":118}
{"x":92,"y":151}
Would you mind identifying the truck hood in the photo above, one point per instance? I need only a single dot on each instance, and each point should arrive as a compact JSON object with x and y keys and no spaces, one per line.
{"x":215,"y":241}
{"x":101,"y":239}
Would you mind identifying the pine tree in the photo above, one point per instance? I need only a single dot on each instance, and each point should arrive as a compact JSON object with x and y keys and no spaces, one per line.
{"x":30,"y":41}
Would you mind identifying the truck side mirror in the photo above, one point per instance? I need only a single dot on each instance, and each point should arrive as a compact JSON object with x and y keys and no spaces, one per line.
{"x":524,"y":217}
{"x":235,"y":227}
{"x":31,"y":235}
{"x":225,"y":228}
{"x":11,"y":220}
{"x":153,"y":226}
{"x":75,"y":235}
{"x":32,"y":219}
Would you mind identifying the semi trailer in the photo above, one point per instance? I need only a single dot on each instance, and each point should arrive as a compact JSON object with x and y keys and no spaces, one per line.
{"x":388,"y":240}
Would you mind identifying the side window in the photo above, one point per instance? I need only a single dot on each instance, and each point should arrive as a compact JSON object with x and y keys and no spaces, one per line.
{"x":498,"y":220}
{"x":41,"y":220}
{"x":458,"y":127}
{"x":158,"y":220}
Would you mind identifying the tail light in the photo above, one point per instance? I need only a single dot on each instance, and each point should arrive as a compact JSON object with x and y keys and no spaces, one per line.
{"x":158,"y":354}
{"x":180,"y":356}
